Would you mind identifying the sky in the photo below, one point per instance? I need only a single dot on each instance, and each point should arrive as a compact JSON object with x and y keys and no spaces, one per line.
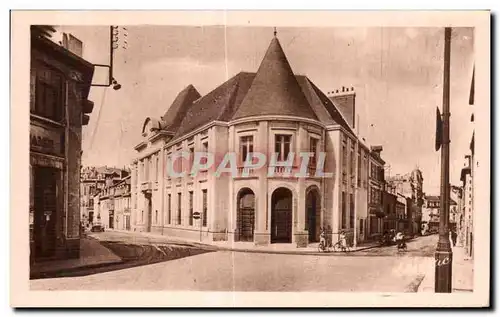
{"x":397,"y":74}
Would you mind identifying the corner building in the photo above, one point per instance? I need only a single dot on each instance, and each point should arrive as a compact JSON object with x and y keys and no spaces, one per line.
{"x":60,"y":82}
{"x":271,"y":111}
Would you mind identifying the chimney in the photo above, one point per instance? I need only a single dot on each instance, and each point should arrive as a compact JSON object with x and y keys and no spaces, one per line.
{"x":377,"y":149}
{"x":345,"y":101}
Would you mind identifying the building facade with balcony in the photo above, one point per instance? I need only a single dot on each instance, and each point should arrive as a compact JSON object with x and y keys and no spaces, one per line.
{"x":376,"y":212}
{"x":60,"y":81}
{"x":410,"y":185}
{"x":272,"y":111}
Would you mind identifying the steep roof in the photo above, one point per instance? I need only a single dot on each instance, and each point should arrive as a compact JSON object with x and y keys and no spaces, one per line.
{"x":275,"y":90}
{"x":219,"y":104}
{"x":176,"y":112}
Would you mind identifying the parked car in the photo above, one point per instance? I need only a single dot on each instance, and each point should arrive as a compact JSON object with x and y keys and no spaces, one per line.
{"x":97,"y":227}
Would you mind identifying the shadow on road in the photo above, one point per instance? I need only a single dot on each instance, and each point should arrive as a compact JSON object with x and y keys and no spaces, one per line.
{"x":132,"y":255}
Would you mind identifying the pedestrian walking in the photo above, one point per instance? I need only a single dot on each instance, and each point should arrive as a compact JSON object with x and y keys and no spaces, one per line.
{"x":454,"y":237}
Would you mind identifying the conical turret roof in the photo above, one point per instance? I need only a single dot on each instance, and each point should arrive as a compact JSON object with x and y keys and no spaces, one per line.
{"x":275,"y":90}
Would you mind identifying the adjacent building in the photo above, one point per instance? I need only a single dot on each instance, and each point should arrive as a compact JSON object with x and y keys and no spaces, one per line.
{"x":466,"y":233}
{"x":270,"y":111}
{"x":60,"y":81}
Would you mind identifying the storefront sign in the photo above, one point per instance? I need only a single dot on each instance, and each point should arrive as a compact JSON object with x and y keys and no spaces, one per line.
{"x":46,"y":141}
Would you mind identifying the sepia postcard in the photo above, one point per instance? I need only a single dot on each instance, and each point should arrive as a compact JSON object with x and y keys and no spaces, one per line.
{"x":250,"y":159}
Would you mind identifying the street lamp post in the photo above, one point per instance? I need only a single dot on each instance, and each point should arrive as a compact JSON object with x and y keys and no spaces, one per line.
{"x":444,"y":254}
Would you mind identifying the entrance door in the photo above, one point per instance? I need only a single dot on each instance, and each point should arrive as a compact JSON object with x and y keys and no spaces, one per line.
{"x":111,"y":219}
{"x":150,"y":214}
{"x":312,"y":216}
{"x":127,"y":223}
{"x":45,"y":215}
{"x":281,"y":216}
{"x":246,"y":215}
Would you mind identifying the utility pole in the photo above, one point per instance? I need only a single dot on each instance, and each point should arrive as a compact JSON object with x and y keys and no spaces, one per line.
{"x":444,"y":254}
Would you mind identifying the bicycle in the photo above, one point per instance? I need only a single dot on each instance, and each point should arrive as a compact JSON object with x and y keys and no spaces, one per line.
{"x":340,"y":247}
{"x":325,"y":245}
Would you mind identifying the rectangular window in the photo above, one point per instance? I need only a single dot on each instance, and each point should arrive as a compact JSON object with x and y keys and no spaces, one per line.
{"x":246,"y":147}
{"x":156,"y":216}
{"x":191,"y":159}
{"x":313,"y":148}
{"x":157,"y":166}
{"x":282,"y":146}
{"x":205,"y":208}
{"x":344,"y":211}
{"x":169,"y":206}
{"x":359,"y":169}
{"x":190,"y":208}
{"x":361,"y":226}
{"x":179,"y":208}
{"x":344,"y":164}
{"x":48,"y":94}
{"x":351,"y":211}
{"x":203,"y":160}
{"x":146,"y":169}
{"x":352,"y":172}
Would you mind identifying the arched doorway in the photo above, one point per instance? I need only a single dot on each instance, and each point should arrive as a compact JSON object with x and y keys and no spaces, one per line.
{"x":281,"y":216}
{"x":313,"y":214}
{"x":245,"y":219}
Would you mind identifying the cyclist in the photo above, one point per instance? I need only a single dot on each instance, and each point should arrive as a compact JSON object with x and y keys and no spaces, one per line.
{"x":400,"y":239}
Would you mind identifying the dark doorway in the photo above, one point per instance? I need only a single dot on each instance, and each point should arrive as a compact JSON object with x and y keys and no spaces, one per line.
{"x":127,"y":223}
{"x":281,"y":216}
{"x":246,"y":215}
{"x":45,"y":215}
{"x":150,"y":213}
{"x":313,"y":215}
{"x":111,"y":219}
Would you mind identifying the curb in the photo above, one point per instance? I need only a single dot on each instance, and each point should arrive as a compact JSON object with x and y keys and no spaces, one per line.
{"x":414,"y":286}
{"x":211,"y":247}
{"x":62,"y":272}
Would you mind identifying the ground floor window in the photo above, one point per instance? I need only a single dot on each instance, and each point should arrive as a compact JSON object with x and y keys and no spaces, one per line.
{"x":205,"y":207}
{"x":179,"y":208}
{"x":190,"y":208}
{"x":361,"y":226}
{"x":343,"y":211}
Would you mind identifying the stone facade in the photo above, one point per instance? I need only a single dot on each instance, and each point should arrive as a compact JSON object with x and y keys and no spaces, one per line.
{"x":265,"y":205}
{"x":59,"y":86}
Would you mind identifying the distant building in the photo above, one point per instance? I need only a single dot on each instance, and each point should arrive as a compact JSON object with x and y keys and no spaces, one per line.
{"x":410,"y":185}
{"x":59,"y":86}
{"x":92,"y":181}
{"x":431,"y":213}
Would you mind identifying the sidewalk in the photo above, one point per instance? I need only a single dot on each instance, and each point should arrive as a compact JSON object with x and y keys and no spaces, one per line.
{"x":462,"y":274}
{"x":92,"y":254}
{"x":282,"y":248}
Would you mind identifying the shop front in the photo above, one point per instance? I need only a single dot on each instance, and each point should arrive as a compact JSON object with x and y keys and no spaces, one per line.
{"x":47,"y":164}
